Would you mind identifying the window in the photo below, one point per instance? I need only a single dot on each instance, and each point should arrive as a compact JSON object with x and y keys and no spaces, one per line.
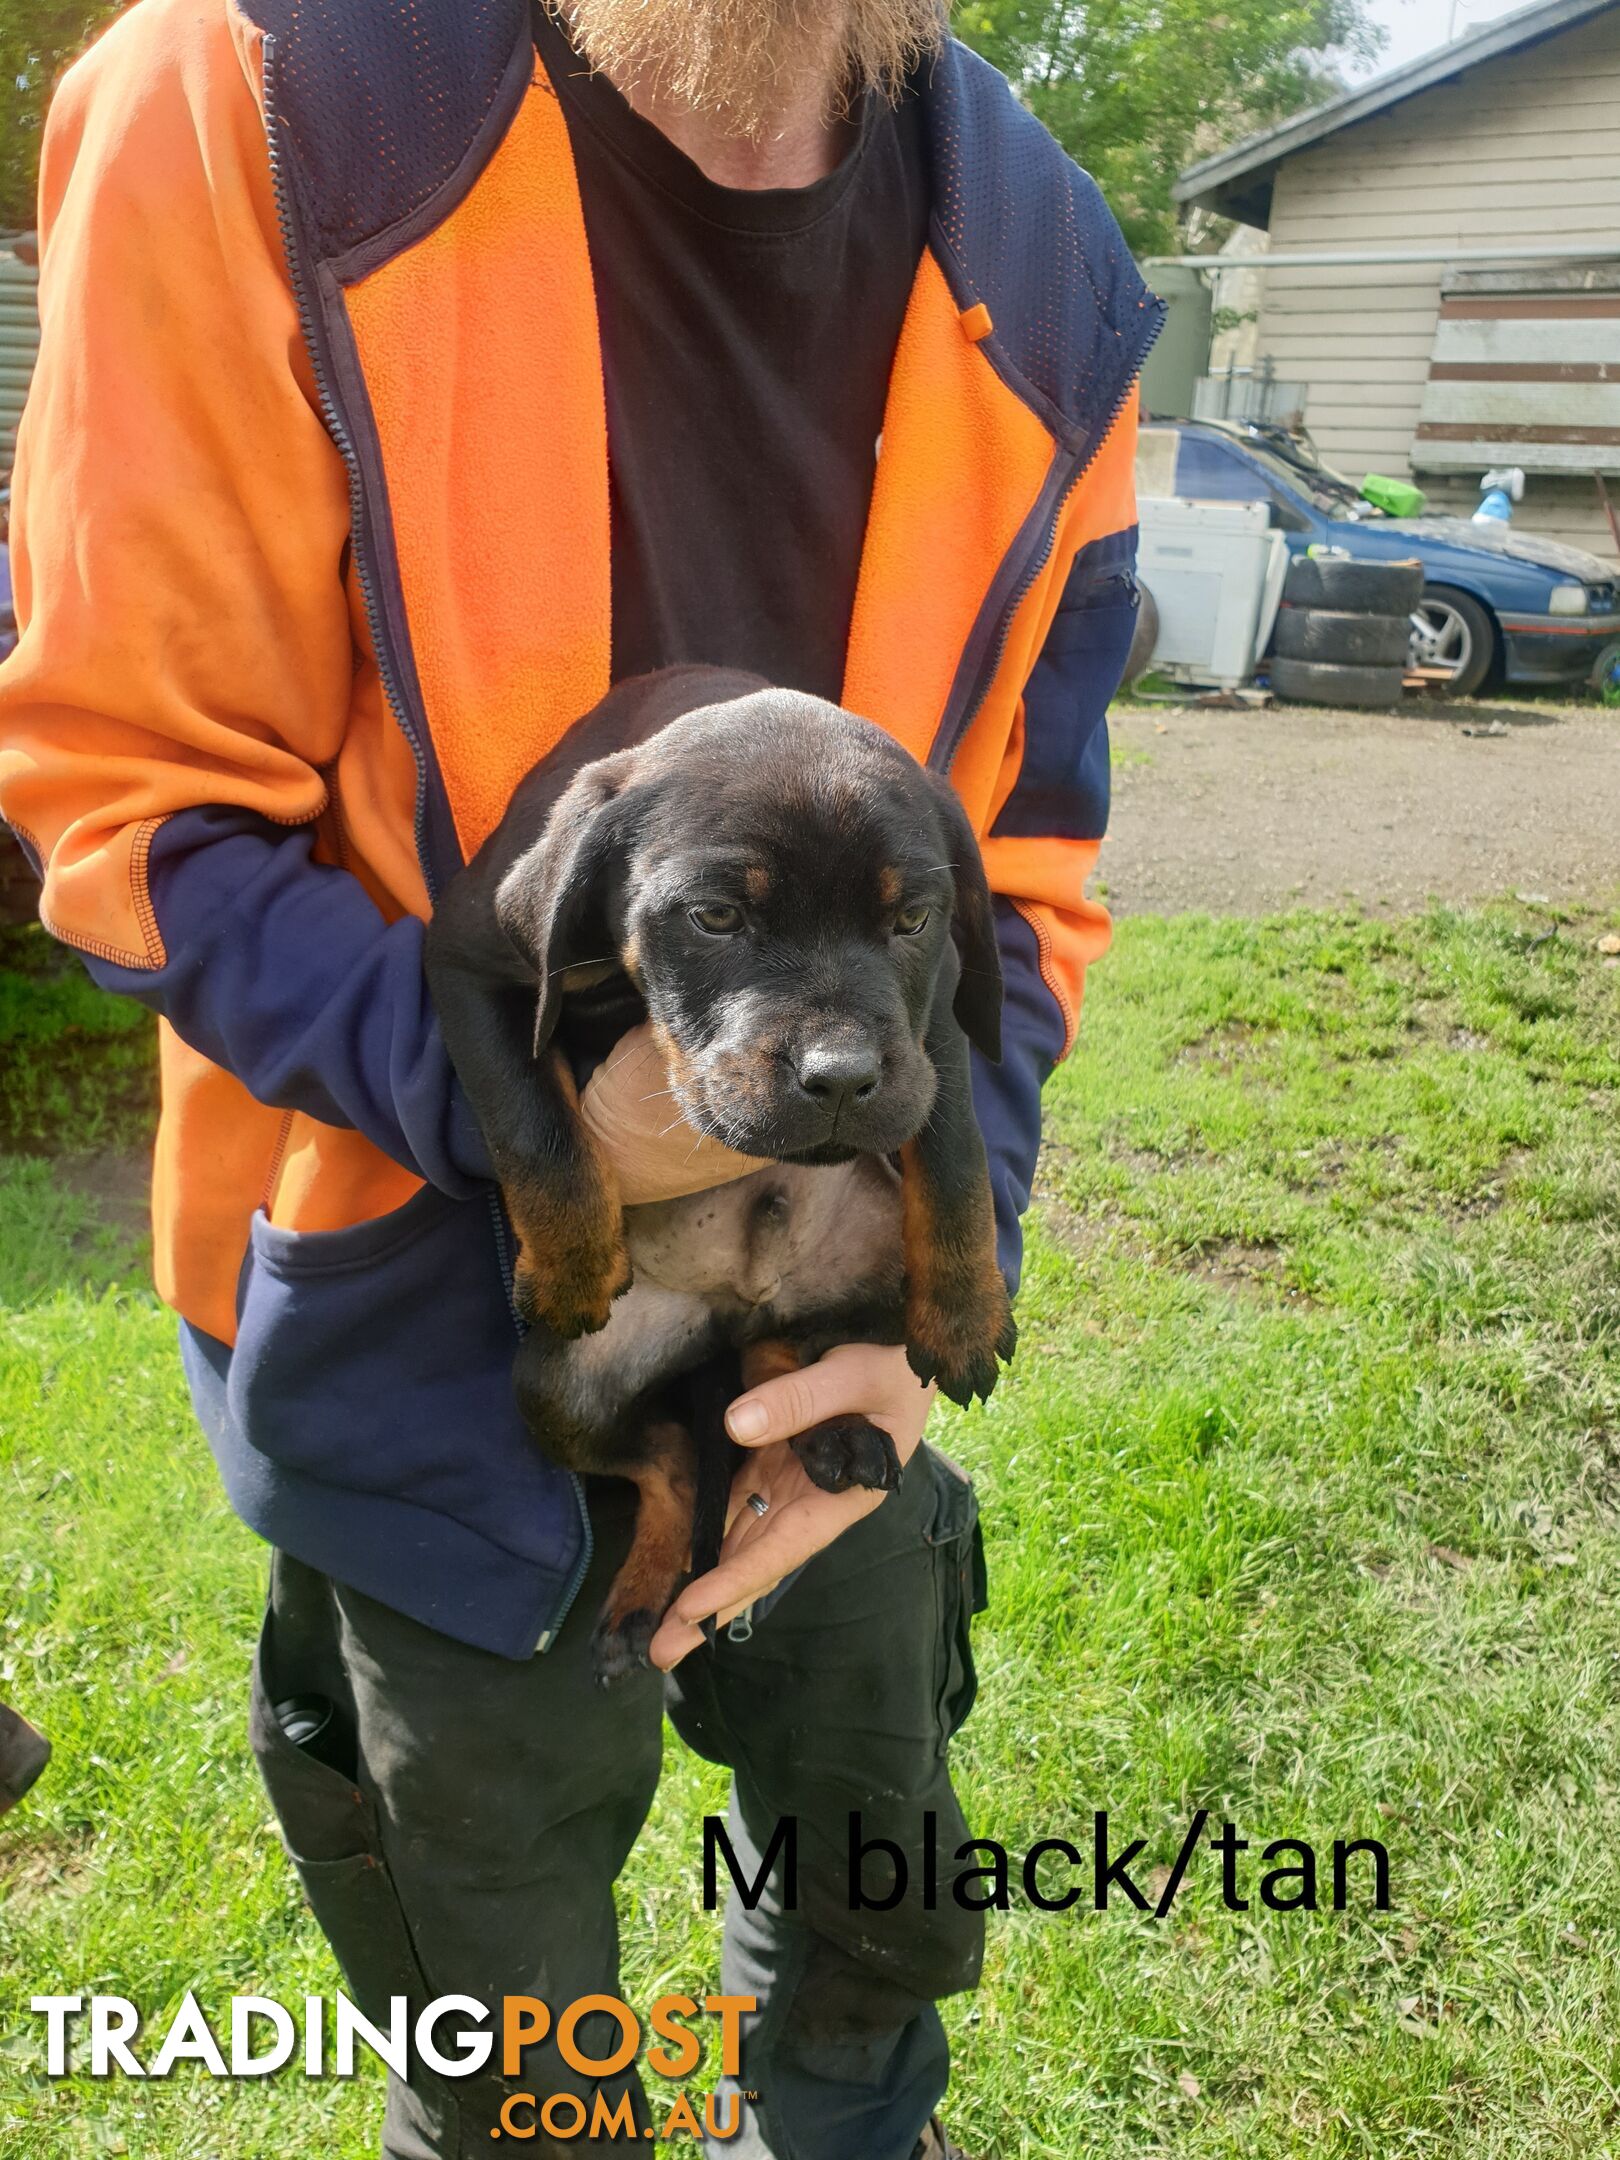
{"x":1209,"y":471}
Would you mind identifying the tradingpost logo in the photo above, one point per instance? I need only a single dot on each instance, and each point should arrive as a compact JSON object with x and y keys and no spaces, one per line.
{"x":455,"y":2036}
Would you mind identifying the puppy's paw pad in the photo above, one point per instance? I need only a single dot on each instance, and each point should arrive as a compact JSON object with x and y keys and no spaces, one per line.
{"x":620,"y":1644}
{"x":848,"y":1452}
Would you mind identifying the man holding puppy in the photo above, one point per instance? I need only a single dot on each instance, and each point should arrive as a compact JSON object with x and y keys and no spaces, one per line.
{"x":409,"y":374}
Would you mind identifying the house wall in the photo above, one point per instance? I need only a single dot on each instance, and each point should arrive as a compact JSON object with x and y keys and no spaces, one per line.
{"x":1240,"y":293}
{"x":1525,"y":148}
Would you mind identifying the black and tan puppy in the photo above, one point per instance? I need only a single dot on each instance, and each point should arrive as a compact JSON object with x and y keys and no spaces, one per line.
{"x":801,"y":911}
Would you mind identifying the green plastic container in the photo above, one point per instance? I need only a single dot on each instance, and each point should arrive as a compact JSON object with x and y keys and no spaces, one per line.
{"x":1398,"y":497}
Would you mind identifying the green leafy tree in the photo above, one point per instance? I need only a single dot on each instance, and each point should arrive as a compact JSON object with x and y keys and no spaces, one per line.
{"x":1138,"y":89}
{"x":37,"y":40}
{"x":1135,"y":89}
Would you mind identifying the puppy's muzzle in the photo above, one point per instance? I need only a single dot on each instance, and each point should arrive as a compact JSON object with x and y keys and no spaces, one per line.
{"x":814,"y":1087}
{"x":837,"y":1074}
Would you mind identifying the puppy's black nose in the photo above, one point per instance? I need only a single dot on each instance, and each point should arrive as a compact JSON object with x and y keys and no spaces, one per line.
{"x":835,"y":1073}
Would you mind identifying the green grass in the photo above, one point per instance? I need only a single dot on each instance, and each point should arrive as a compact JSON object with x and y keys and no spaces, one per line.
{"x":1303,"y":1505}
{"x":72,"y":1059}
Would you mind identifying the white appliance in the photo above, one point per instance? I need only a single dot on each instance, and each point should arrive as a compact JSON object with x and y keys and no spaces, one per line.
{"x":1215,"y":570}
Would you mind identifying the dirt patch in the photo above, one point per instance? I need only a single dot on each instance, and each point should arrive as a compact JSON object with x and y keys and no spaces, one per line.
{"x":119,"y":1181}
{"x":1243,"y":1270}
{"x":53,"y":1864}
{"x":1242,"y":813}
{"x":1230,"y":1044}
{"x":1492,"y":1196}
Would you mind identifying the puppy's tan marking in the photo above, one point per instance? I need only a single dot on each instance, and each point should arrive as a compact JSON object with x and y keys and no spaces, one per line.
{"x":958,"y":1315}
{"x":665,"y":1479}
{"x":768,"y":1360}
{"x":890,"y":885}
{"x":757,"y":883}
{"x":572,"y":1260}
{"x":676,"y":1062}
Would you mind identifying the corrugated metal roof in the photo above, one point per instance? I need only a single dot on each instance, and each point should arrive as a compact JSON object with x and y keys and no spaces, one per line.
{"x":1237,"y":182}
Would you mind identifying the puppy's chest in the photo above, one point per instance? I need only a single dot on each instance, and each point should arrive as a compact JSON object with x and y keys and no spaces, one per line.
{"x":789,"y":1240}
{"x":787,"y":1251}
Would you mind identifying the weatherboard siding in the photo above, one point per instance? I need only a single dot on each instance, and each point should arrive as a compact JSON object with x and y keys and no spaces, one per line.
{"x":1525,"y":148}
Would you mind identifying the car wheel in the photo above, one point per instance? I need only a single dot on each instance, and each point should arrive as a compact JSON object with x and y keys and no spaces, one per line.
{"x":1318,"y":682}
{"x":1351,"y":640}
{"x":1145,"y":639}
{"x":1353,"y":588}
{"x":1451,"y":631}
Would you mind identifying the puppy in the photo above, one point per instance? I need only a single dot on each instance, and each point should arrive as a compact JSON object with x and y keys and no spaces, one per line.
{"x":800,"y":909}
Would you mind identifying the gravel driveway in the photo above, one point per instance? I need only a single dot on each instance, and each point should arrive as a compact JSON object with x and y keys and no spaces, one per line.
{"x":1245,"y":812}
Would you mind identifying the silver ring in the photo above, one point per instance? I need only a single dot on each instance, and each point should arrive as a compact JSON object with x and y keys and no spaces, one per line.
{"x":759,"y":1503}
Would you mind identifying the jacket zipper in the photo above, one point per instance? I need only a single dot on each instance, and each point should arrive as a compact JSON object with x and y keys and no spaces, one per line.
{"x":388,"y":669}
{"x":272,"y":1176}
{"x":340,"y":828}
{"x":337,"y":427}
{"x":987,"y":641}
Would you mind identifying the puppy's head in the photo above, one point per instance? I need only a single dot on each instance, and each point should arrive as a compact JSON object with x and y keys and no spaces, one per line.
{"x":791,"y":892}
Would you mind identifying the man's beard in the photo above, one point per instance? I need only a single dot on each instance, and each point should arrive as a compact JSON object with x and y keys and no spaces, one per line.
{"x":749,"y":62}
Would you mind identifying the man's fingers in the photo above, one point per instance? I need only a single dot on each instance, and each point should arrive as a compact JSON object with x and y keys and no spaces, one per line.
{"x":626,"y":1107}
{"x":673,"y":1641}
{"x":744,"y":1528}
{"x":846,"y":1382}
{"x":754,"y":1566}
{"x":748,"y":1571}
{"x":676,"y":1639}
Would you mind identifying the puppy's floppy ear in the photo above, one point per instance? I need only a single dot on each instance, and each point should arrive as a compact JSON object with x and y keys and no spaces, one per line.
{"x":554,"y":901}
{"x":977,"y":1003}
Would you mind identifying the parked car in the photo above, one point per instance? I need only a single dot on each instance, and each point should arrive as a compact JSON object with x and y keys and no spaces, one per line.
{"x":1499,"y":605}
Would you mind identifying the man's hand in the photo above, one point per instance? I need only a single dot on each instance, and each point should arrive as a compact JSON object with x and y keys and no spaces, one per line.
{"x":628,"y":1106}
{"x":861,"y":1380}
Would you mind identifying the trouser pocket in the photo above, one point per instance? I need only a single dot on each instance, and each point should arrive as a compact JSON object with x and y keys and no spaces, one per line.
{"x":330,"y":1828}
{"x":961,"y":1588}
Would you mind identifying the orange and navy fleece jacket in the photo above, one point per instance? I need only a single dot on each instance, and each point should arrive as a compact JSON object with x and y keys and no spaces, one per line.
{"x":309,"y":576}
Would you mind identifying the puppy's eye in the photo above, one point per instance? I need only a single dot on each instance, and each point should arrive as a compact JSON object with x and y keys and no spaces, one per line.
{"x":721,"y":920}
{"x":911,"y":921}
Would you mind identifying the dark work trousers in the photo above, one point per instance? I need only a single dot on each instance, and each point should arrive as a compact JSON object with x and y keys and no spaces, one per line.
{"x":458,"y":1821}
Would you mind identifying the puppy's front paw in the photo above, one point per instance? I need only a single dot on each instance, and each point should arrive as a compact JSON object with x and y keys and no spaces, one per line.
{"x":620,"y":1644}
{"x":846,"y":1452}
{"x":572,"y":1258}
{"x":571,"y":1293}
{"x":960,"y":1330}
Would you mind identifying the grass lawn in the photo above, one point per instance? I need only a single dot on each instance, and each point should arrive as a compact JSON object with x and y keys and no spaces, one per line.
{"x":1303,"y":1506}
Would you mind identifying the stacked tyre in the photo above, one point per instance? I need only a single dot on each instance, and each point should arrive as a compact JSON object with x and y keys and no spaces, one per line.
{"x":1344,"y":631}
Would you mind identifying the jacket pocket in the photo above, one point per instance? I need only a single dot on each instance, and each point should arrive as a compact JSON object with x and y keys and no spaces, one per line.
{"x":361,"y":1354}
{"x":341,"y":1333}
{"x":377,"y":1361}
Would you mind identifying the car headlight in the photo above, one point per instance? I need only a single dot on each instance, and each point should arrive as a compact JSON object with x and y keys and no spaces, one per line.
{"x":1569,"y":600}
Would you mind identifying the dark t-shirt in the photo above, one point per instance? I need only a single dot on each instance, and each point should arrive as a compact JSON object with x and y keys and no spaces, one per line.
{"x":747,"y":338}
